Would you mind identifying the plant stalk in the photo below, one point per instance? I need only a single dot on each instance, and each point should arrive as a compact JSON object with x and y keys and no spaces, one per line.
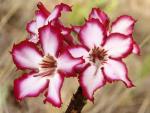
{"x":77,"y":102}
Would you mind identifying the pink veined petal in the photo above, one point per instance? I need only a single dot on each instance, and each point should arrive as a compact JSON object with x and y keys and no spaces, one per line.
{"x":92,"y":34}
{"x":56,"y":13}
{"x":32,"y":27}
{"x":76,"y":29}
{"x":90,"y":80}
{"x":66,"y":64}
{"x":100,"y":15}
{"x":136,"y":49}
{"x":40,"y":19}
{"x":43,"y":9}
{"x":79,"y":68}
{"x":29,"y":86}
{"x":78,"y":51}
{"x":26,"y":56}
{"x":50,"y":39}
{"x":69,"y":39}
{"x":33,"y":38}
{"x":64,"y":30}
{"x":117,"y":70}
{"x":123,"y":24}
{"x":64,"y":7}
{"x":53,"y":94}
{"x":118,"y":45}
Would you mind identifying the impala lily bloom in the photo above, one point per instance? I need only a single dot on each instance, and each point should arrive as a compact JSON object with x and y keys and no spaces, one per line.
{"x":103,"y":56}
{"x":50,"y":54}
{"x":48,"y":67}
{"x":43,"y":17}
{"x":123,"y":25}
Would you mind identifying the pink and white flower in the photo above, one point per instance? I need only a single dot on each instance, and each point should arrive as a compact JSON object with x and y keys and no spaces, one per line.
{"x":103,"y":56}
{"x":123,"y":25}
{"x":43,"y":17}
{"x":48,"y":66}
{"x":50,"y":54}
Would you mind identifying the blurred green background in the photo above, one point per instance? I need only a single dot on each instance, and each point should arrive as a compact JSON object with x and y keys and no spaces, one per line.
{"x":113,"y":98}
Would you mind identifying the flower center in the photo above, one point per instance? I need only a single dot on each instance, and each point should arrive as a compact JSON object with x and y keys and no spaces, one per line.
{"x":48,"y":65}
{"x":98,"y":55}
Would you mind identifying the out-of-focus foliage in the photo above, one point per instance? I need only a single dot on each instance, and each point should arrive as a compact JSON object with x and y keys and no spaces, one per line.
{"x":145,"y":70}
{"x":3,"y":95}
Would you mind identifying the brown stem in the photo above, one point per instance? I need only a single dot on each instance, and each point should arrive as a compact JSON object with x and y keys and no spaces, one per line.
{"x":77,"y":102}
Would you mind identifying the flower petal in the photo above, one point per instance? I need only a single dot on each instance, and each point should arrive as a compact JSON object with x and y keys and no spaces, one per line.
{"x":29,"y":86}
{"x":118,"y":45}
{"x":66,"y":64}
{"x":32,"y":27}
{"x":92,"y":33}
{"x":50,"y":39}
{"x":90,"y":80}
{"x":33,"y":38}
{"x":100,"y":15}
{"x":53,"y":95}
{"x":26,"y":56}
{"x":136,"y":49}
{"x":78,"y":51}
{"x":76,"y":29}
{"x":56,"y":13}
{"x":40,"y":19}
{"x":117,"y":70}
{"x":123,"y":24}
{"x":43,"y":9}
{"x":65,"y":31}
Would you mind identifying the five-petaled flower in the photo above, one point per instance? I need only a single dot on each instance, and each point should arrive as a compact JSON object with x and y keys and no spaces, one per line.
{"x":103,"y":50}
{"x":48,"y":67}
{"x":50,"y":53}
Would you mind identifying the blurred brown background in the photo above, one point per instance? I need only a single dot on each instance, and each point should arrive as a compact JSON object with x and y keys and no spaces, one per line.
{"x":113,"y":98}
